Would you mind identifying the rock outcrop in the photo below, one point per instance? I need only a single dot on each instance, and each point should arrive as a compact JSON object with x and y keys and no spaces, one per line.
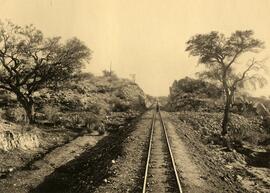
{"x":13,"y":138}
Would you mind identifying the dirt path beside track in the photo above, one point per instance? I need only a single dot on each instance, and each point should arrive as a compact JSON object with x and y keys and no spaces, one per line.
{"x":22,"y":181}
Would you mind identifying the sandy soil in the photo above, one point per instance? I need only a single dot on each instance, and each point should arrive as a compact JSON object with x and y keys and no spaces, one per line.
{"x":22,"y":181}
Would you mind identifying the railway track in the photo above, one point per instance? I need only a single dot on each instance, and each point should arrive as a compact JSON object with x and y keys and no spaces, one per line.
{"x":160,"y":170}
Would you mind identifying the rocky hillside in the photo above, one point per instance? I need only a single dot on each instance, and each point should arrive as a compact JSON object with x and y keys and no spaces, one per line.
{"x":86,"y":104}
{"x":78,"y":98}
{"x":194,"y":95}
{"x":199,"y":105}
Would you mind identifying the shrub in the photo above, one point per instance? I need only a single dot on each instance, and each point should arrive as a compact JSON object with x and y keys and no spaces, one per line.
{"x":96,"y":108}
{"x":4,"y":98}
{"x":119,"y":105}
{"x":94,"y":122}
{"x":252,"y":137}
{"x":2,"y":113}
{"x":83,"y":121}
{"x":70,"y":102}
{"x":16,"y":114}
{"x":110,"y":74}
{"x":83,"y":76}
{"x":266,"y":123}
{"x":51,"y":113}
{"x":76,"y":120}
{"x":196,"y":86}
{"x":101,"y":130}
{"x":236,"y":135}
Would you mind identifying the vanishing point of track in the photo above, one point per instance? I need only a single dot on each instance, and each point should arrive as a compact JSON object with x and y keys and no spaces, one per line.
{"x":160,"y":160}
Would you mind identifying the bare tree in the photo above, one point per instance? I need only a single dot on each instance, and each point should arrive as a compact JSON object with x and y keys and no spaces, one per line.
{"x":30,"y":62}
{"x":220,"y":55}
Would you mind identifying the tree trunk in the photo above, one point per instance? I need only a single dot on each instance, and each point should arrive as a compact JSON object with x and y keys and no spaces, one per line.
{"x":29,"y":110}
{"x":28,"y":105}
{"x":226,"y":116}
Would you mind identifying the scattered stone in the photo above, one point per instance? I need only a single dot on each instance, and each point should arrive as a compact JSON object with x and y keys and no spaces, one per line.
{"x":10,"y":169}
{"x":239,"y":178}
{"x":229,"y":166}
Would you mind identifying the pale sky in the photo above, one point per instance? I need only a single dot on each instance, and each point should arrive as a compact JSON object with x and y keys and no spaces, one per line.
{"x":142,"y":37}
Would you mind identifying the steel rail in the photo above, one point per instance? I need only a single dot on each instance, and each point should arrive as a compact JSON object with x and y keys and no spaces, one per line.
{"x":171,"y":154}
{"x":149,"y":152}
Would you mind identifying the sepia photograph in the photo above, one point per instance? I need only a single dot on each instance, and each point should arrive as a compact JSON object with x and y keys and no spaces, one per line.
{"x":134,"y":96}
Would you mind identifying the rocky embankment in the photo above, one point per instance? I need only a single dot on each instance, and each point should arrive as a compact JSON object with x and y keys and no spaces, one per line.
{"x":12,"y":138}
{"x":89,"y":106}
{"x":200,"y":106}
